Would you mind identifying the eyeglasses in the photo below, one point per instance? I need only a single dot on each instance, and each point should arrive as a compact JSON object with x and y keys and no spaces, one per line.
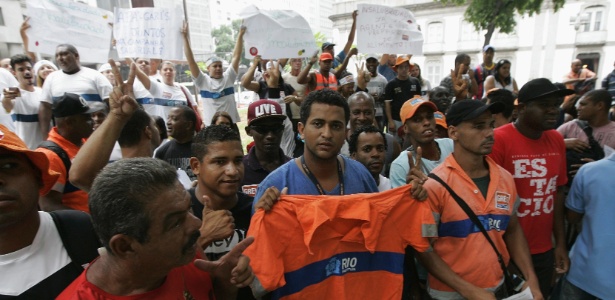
{"x":262,"y":129}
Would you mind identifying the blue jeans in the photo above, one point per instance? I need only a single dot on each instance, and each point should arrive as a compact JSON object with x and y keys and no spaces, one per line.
{"x":570,"y":291}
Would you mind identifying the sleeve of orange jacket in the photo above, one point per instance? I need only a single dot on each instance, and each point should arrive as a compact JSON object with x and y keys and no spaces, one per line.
{"x":416,"y":223}
{"x":269,"y":243}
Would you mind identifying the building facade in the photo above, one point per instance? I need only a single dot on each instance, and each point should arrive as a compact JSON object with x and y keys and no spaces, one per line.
{"x":540,"y":46}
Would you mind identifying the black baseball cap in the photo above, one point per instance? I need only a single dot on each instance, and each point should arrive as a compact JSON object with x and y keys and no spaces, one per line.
{"x":539,"y":88}
{"x":466,"y":110}
{"x":325,"y":45}
{"x":69,"y":105}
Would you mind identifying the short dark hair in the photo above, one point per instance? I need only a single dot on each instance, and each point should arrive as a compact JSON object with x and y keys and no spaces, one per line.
{"x":212,"y":134}
{"x":363,"y":96}
{"x":597,"y":96}
{"x":20,"y":58}
{"x":121,"y":193}
{"x":324,"y":96}
{"x":188,"y":114}
{"x":70,"y":48}
{"x":354,"y":138}
{"x":461,"y":57}
{"x":223,"y":114}
{"x":505,"y":96}
{"x":131,"y":133}
{"x":162,"y":127}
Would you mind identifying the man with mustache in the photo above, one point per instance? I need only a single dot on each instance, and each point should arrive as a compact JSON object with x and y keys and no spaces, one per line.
{"x":463,"y":264}
{"x":150,"y":239}
{"x":23,"y":101}
{"x":535,"y":154}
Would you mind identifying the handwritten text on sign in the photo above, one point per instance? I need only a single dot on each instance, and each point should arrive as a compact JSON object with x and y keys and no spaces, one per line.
{"x":149,"y":32}
{"x":276,"y":34}
{"x":55,"y":22}
{"x":384,"y":29}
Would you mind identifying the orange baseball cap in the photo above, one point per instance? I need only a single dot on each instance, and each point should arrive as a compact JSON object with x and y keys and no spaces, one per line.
{"x":440,"y":119}
{"x":400,"y":60}
{"x":11,"y":142}
{"x":326,"y":56}
{"x":411,"y":106}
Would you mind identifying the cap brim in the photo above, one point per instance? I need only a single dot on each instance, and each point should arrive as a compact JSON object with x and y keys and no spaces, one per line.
{"x":278,"y":117}
{"x":559,"y":93}
{"x":40,"y":160}
{"x":494,"y":108}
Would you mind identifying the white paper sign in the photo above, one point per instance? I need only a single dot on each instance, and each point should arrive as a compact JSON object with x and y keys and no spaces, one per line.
{"x":149,"y":32}
{"x":524,"y":295}
{"x":55,"y":22}
{"x":383,"y":29}
{"x":276,"y":34}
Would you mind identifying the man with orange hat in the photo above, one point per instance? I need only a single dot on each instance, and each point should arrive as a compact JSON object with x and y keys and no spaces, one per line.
{"x":37,"y":253}
{"x":398,"y":90}
{"x":320,"y":79}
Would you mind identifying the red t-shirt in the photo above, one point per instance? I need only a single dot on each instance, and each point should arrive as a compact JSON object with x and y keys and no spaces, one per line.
{"x":181,"y":283}
{"x":538,"y":167}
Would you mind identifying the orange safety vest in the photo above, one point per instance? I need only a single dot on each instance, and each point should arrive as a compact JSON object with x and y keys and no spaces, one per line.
{"x":322,"y":83}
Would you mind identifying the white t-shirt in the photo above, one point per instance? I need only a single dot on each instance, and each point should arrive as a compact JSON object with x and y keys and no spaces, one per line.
{"x":299,"y":88}
{"x":384,"y":185}
{"x":26,"y":267}
{"x":218,"y":94}
{"x":165,"y":98}
{"x":6,"y":80}
{"x":25,"y":117}
{"x":88,"y":83}
{"x":141,"y":92}
{"x":377,"y":85}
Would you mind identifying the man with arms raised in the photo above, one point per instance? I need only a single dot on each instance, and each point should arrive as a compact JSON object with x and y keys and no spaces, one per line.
{"x":216,"y":89}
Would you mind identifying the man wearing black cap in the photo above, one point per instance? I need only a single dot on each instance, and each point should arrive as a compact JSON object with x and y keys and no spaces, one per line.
{"x":535,"y":154}
{"x":463,"y":264}
{"x":327,"y":47}
{"x":73,"y":124}
{"x":486,"y":68}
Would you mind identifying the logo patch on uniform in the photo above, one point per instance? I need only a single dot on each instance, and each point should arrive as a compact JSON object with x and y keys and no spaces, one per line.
{"x":502,"y":200}
{"x":250,"y":190}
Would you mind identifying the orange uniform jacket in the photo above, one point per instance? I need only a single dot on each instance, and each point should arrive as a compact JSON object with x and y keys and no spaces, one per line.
{"x":460,"y":243}
{"x":338,"y":247}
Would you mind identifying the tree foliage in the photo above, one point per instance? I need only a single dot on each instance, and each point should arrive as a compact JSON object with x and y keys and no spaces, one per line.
{"x":499,"y":14}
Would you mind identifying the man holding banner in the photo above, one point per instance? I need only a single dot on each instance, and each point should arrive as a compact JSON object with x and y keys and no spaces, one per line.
{"x":216,"y":89}
{"x":328,"y":47}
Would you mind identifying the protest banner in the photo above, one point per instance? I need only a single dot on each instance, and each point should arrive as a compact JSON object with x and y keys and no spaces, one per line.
{"x":150,"y":32}
{"x":55,"y":22}
{"x":276,"y":34}
{"x":383,"y":29}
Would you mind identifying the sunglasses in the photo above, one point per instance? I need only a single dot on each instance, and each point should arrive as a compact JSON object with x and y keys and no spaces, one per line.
{"x":262,"y":129}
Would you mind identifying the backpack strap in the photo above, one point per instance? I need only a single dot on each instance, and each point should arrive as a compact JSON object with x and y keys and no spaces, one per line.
{"x":55,"y":148}
{"x":77,"y":234}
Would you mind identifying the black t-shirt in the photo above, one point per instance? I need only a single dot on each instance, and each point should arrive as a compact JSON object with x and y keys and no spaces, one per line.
{"x":400,"y":91}
{"x":242,"y":213}
{"x":178,"y":155}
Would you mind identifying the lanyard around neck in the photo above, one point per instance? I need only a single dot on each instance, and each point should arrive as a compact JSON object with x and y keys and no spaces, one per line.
{"x":340,"y":176}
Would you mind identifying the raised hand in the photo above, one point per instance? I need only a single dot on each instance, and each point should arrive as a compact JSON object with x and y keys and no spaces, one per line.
{"x":185,"y":31}
{"x":269,"y":198}
{"x":460,"y":85}
{"x":314,"y":58}
{"x":121,"y":99}
{"x":217,"y":224}
{"x":273,"y":74}
{"x":363,"y":76}
{"x":415,"y":176}
{"x":233,"y":266}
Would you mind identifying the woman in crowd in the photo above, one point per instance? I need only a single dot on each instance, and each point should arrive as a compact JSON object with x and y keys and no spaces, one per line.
{"x":224,"y":118}
{"x":42,"y":69}
{"x":501,"y":79}
{"x":416,"y":73}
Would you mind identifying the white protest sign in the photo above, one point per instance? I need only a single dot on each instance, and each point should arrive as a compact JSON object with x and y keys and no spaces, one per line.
{"x":383,"y":29}
{"x":55,"y":22}
{"x":149,"y":32}
{"x":276,"y":34}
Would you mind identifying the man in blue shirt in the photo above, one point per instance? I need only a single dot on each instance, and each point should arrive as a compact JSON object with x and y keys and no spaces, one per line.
{"x":590,"y":200}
